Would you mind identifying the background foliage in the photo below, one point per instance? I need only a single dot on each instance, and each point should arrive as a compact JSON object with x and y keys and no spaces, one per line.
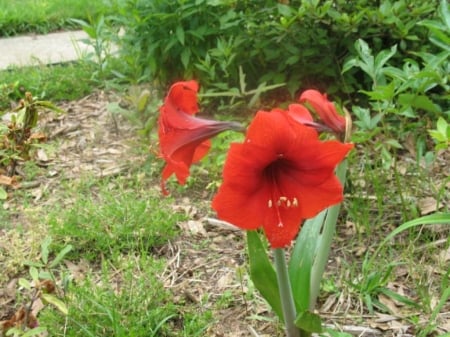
{"x":301,"y":43}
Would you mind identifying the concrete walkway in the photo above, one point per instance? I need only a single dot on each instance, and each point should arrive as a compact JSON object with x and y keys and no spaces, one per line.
{"x":42,"y":49}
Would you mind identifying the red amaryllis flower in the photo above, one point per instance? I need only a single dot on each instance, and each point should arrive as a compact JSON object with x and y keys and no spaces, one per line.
{"x":281,"y":175}
{"x":183,"y":138}
{"x":325,"y":109}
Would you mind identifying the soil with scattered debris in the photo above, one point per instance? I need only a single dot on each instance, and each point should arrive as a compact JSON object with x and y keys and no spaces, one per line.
{"x":91,"y":140}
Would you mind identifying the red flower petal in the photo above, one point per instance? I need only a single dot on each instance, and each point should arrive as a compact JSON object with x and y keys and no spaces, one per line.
{"x":279,"y":176}
{"x":183,"y":95}
{"x":325,"y":109}
{"x":183,"y":138}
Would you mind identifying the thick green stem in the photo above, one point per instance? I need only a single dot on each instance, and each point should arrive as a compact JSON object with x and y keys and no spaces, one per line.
{"x":287,"y":299}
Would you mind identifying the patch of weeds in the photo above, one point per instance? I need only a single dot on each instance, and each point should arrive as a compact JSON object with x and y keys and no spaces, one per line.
{"x":140,"y":106}
{"x":126,"y":300}
{"x":111,"y":219}
{"x":226,"y":300}
{"x":36,"y":291}
{"x":31,"y":170}
{"x":55,"y":83}
{"x":20,"y":247}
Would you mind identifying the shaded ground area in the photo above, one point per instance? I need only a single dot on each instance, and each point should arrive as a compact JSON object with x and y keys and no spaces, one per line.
{"x":209,"y":258}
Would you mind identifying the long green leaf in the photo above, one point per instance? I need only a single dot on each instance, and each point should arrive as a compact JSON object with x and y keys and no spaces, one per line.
{"x":324,"y":245}
{"x":262,"y":272}
{"x":35,"y":332}
{"x":311,"y":251}
{"x":60,"y":305}
{"x":301,"y":261}
{"x":61,"y":255}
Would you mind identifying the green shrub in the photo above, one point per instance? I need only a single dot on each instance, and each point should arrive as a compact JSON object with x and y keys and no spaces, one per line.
{"x":304,"y":43}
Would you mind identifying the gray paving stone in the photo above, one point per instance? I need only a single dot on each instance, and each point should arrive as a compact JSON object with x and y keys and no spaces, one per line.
{"x":42,"y":49}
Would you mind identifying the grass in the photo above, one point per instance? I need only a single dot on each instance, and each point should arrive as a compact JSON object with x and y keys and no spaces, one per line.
{"x":32,"y":16}
{"x":114,"y":218}
{"x":112,"y":285}
{"x":54,"y":83}
{"x":130,"y":303}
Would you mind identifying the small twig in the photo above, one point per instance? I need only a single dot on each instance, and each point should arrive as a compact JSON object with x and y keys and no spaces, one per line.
{"x":253,"y":332}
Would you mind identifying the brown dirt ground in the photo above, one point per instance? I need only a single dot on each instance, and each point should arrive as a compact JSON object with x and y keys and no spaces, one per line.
{"x":92,"y":141}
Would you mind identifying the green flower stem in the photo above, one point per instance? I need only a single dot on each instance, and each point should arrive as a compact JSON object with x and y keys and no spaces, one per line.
{"x":287,"y":300}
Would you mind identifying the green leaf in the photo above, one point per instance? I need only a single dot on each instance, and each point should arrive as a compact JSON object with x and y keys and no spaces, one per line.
{"x":442,"y":126}
{"x":34,"y":273}
{"x":44,"y":249}
{"x":301,"y":261}
{"x":3,"y":194}
{"x":49,"y":105}
{"x":398,"y":297}
{"x":60,"y":305}
{"x":334,"y":333}
{"x":143,"y":101}
{"x":180,"y":34}
{"x":35,"y":331}
{"x":45,"y":275}
{"x":309,"y":321}
{"x":419,"y":102}
{"x":25,"y":283}
{"x":262,"y":272}
{"x":384,"y":56}
{"x":185,"y":57}
{"x":61,"y":255}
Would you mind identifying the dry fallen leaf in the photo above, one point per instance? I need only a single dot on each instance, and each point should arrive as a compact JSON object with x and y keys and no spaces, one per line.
{"x":225,"y":280}
{"x":428,"y":205}
{"x":444,"y":255}
{"x":8,"y":181}
{"x":194,"y":227}
{"x":42,"y":155}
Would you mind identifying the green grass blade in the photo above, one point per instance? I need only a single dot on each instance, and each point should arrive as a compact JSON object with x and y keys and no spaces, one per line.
{"x":434,"y":219}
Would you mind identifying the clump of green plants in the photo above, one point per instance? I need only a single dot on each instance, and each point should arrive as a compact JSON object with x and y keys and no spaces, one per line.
{"x":408,"y":97}
{"x":140,"y":106}
{"x":17,"y":136}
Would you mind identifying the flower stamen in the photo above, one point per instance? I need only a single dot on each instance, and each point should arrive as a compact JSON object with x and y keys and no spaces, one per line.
{"x":283,"y":201}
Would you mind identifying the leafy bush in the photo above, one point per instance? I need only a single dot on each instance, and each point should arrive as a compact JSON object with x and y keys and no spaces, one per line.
{"x":303,"y":43}
{"x":407,"y":97}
